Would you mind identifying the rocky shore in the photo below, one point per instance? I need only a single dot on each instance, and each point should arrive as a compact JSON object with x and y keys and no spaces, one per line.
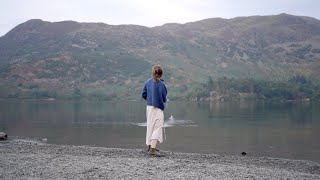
{"x":30,"y":159}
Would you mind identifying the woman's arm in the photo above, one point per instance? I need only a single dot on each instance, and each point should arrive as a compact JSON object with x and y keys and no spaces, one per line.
{"x":144,"y":92}
{"x":164,"y":93}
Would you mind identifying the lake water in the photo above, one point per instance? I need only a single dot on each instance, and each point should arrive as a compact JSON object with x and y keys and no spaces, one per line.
{"x":287,"y":130}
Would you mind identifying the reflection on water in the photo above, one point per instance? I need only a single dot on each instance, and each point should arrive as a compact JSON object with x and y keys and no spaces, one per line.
{"x":285,"y":130}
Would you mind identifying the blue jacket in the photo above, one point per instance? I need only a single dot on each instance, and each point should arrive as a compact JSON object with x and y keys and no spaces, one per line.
{"x":155,"y":93}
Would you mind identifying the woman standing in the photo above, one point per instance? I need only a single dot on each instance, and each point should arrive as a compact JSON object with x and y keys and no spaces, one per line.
{"x":155,"y":93}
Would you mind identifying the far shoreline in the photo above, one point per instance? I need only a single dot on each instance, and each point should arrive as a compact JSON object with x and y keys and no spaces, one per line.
{"x":303,"y":101}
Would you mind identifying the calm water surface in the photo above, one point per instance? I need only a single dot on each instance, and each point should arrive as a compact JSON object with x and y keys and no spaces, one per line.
{"x":287,"y":130}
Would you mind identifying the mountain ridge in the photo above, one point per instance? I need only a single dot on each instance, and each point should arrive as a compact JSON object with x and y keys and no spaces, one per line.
{"x":93,"y":57}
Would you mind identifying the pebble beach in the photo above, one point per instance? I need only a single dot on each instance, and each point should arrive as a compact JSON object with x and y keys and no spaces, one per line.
{"x":31,"y":159}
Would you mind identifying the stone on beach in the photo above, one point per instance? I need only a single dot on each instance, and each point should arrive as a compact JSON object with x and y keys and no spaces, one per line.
{"x":3,"y":136}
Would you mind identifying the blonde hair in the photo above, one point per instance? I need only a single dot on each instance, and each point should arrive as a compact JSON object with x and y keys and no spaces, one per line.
{"x":157,"y":72}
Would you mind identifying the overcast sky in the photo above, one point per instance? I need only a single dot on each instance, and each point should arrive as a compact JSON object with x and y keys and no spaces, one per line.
{"x":145,"y":12}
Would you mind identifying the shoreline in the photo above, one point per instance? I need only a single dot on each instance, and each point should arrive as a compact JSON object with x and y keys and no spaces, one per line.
{"x":24,"y":159}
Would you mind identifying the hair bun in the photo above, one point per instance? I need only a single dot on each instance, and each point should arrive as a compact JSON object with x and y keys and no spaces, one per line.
{"x":157,"y":72}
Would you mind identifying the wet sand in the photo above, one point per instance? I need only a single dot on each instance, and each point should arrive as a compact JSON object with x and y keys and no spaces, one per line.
{"x":29,"y":159}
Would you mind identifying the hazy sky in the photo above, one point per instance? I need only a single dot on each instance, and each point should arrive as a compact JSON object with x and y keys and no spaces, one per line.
{"x":145,"y":12}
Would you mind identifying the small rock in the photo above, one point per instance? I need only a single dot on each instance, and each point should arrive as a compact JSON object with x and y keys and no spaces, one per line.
{"x":243,"y":153}
{"x":3,"y":136}
{"x":44,"y":139}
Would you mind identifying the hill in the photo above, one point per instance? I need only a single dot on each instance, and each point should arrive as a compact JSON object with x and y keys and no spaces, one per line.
{"x":71,"y":59}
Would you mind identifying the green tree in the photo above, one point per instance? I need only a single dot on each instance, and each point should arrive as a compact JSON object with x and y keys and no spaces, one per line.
{"x":76,"y":94}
